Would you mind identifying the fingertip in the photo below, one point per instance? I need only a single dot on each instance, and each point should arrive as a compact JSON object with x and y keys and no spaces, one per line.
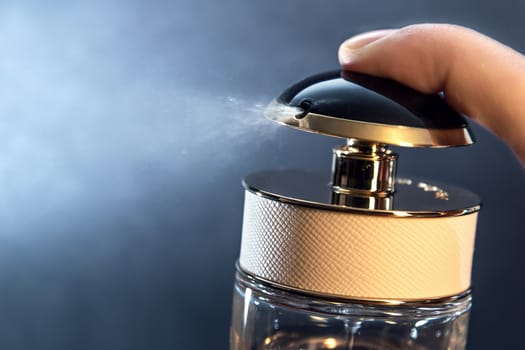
{"x":481,"y":77}
{"x":345,"y":55}
{"x":347,"y":50}
{"x":360,"y":40}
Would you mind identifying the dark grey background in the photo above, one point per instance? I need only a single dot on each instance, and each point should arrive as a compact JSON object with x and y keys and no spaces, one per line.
{"x":125,"y":130}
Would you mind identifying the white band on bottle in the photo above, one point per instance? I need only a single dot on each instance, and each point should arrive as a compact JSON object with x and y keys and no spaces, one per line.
{"x":354,"y":255}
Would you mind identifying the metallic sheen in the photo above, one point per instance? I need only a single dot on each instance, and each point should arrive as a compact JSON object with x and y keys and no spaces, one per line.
{"x":373,"y":132}
{"x":412,"y":198}
{"x":371,"y":109}
{"x":256,"y":281}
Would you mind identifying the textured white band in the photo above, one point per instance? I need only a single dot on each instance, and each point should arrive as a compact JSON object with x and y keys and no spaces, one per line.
{"x":354,"y":255}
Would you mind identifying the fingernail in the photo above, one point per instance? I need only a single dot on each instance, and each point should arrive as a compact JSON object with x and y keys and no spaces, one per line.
{"x":348,"y":49}
{"x":346,"y":55}
{"x":364,"y":39}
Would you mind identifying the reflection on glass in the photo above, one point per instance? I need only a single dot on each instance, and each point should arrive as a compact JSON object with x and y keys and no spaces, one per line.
{"x":268,"y":318}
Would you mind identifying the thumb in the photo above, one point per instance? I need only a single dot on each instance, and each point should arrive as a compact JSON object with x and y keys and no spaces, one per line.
{"x":480,"y":77}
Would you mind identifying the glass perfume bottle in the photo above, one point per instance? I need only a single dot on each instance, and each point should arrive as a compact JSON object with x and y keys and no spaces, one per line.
{"x":357,"y":258}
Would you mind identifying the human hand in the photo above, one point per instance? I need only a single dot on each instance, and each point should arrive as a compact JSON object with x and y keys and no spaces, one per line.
{"x":479,"y":76}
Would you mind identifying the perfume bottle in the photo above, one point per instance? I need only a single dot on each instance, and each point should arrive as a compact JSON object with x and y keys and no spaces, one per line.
{"x":356,"y":257}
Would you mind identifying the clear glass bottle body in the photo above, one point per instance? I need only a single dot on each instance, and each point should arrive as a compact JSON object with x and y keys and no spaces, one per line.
{"x":270,"y":318}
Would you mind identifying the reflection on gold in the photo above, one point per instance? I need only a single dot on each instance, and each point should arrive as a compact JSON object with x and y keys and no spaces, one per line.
{"x":330,"y":343}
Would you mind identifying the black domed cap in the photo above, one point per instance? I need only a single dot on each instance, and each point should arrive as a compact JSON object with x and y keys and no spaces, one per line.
{"x":364,"y":98}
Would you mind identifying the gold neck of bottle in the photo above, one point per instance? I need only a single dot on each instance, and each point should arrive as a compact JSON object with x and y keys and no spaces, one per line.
{"x":363,"y":175}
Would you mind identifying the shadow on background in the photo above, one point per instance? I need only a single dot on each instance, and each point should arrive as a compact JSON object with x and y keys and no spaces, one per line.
{"x":126,"y":128}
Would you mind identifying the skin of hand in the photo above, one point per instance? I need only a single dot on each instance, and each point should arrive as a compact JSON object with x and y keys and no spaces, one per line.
{"x":479,"y":76}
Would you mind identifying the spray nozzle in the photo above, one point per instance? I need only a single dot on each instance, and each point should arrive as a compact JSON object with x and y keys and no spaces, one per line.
{"x":371,"y":113}
{"x":306,"y":105}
